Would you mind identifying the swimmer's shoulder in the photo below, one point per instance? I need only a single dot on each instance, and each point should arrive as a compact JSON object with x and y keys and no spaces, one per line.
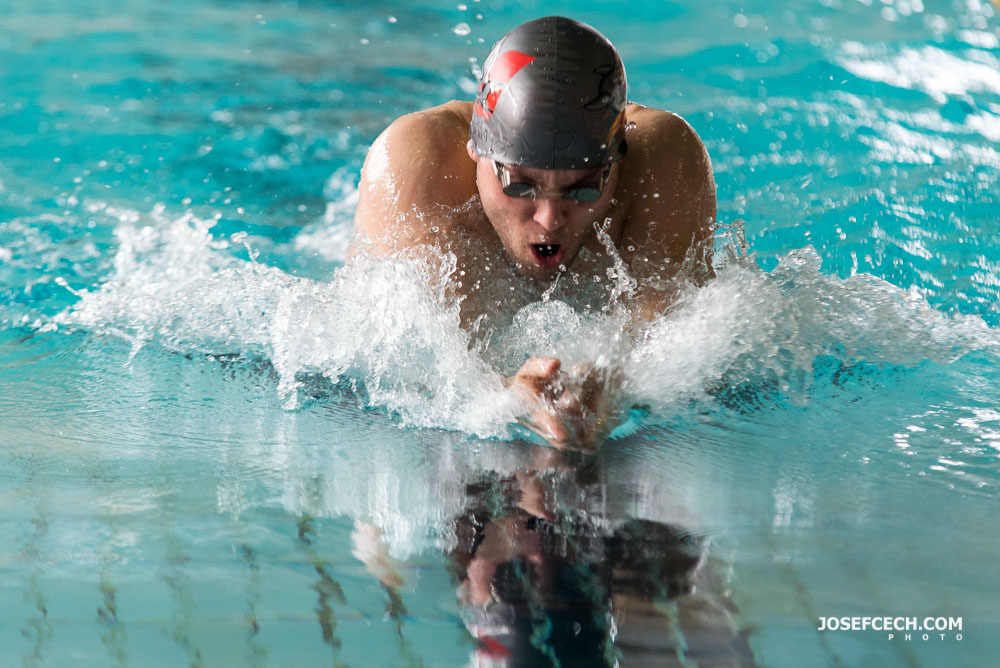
{"x":665,"y":157}
{"x":416,"y":172}
{"x":420,"y":159}
{"x":437,"y":135}
{"x":667,"y":185}
{"x":659,"y":139}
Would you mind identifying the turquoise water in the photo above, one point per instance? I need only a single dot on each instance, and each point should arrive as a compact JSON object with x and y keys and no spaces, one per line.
{"x":203,"y":414}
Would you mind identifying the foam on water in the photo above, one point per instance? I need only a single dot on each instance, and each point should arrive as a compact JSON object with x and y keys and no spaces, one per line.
{"x":391,"y":332}
{"x":379,"y":325}
{"x":751,"y":326}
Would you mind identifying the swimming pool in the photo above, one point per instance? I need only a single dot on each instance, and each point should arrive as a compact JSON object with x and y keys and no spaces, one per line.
{"x":203,"y":416}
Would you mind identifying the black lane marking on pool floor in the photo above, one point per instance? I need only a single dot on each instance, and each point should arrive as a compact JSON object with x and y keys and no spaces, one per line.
{"x":326,"y":587}
{"x":177,"y":582}
{"x":258,"y":652}
{"x":38,"y":627}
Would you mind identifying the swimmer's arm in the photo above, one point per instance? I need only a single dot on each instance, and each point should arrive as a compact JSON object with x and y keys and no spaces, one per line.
{"x":672,"y":208}
{"x":417,"y":167}
{"x":574,"y":410}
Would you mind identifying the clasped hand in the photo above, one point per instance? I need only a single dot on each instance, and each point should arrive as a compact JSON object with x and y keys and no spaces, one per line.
{"x":574,"y":409}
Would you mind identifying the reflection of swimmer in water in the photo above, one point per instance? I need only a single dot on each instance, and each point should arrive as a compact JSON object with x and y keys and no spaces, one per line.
{"x":547,"y":577}
{"x":522,"y":179}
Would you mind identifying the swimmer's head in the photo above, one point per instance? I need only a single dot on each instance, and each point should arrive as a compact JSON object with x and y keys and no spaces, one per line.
{"x":551,"y":96}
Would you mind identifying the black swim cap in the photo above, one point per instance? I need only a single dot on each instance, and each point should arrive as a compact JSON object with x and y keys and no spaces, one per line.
{"x":552,"y":96}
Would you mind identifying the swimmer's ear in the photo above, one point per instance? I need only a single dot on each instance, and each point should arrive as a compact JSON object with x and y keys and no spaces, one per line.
{"x":472,"y":154}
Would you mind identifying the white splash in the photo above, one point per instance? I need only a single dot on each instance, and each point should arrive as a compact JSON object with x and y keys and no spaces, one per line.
{"x":377,"y":323}
{"x":330,"y":237}
{"x":747,"y":326}
{"x":390,"y":329}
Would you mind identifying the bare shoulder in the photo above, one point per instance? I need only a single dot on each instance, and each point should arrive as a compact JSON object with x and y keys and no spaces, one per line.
{"x":431,"y":133}
{"x":661,"y":143}
{"x":417,"y":165}
{"x":667,"y":186}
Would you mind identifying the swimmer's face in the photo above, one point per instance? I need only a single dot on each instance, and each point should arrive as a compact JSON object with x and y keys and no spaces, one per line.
{"x":542,"y":233}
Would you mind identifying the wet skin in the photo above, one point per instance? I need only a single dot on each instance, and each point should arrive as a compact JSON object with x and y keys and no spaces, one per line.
{"x":540,"y":234}
{"x":423,"y":186}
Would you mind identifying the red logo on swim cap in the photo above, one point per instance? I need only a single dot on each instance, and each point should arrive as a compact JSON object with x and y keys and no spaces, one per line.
{"x":503,"y":70}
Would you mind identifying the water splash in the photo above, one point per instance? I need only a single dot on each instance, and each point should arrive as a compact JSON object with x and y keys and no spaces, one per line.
{"x":380,"y":324}
{"x":751,"y":326}
{"x":390,"y":328}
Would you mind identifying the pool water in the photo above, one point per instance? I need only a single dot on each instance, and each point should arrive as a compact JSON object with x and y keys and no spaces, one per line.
{"x":220,"y":446}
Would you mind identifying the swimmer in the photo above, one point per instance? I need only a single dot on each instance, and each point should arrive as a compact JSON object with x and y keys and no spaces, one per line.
{"x":548,"y":153}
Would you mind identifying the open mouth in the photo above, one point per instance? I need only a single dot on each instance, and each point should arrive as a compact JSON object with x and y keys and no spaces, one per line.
{"x":547,"y":255}
{"x":545,"y":250}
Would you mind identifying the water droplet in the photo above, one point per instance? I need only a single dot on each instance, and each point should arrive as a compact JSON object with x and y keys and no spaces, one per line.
{"x":462,"y":29}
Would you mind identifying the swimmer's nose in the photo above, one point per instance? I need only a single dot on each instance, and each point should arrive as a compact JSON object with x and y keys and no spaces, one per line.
{"x":548,"y":213}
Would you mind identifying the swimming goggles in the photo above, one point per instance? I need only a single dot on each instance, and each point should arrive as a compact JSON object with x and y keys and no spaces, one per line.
{"x":533,"y":190}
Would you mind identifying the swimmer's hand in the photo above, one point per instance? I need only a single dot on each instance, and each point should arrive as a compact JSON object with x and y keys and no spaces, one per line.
{"x":573,"y":410}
